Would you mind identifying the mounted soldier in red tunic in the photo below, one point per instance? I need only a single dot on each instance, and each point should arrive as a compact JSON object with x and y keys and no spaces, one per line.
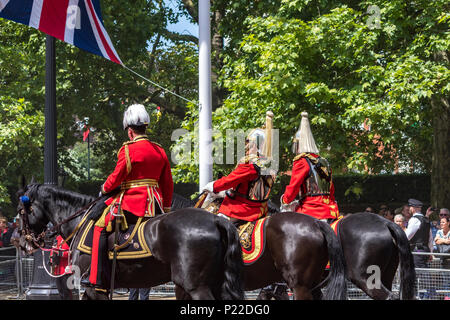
{"x":143,"y":179}
{"x":248,"y":186}
{"x":311,"y":179}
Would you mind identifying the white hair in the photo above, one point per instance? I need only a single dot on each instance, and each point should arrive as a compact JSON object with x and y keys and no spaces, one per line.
{"x":135,"y":115}
{"x":304,"y":137}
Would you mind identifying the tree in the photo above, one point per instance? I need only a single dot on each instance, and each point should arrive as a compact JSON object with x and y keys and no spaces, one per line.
{"x":89,"y":86}
{"x":334,"y":61}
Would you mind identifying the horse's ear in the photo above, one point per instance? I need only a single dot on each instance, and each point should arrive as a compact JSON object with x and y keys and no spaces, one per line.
{"x":23,"y":181}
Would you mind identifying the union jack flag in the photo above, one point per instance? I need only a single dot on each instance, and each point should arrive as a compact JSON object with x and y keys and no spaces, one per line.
{"x":78,"y":22}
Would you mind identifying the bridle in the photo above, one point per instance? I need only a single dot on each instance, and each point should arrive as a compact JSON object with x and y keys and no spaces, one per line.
{"x":24,"y":227}
{"x":29,"y":235}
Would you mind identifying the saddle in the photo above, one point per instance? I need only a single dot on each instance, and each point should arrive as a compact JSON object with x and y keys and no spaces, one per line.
{"x":131,"y":242}
{"x":252,"y":235}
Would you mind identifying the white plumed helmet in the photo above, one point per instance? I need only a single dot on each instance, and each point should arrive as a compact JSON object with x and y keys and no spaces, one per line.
{"x":303,"y":139}
{"x":135,"y":115}
{"x":262,"y":138}
{"x":257,"y":137}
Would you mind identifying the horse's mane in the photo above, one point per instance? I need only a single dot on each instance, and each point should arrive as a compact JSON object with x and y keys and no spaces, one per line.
{"x":62,"y":198}
{"x":179,"y":201}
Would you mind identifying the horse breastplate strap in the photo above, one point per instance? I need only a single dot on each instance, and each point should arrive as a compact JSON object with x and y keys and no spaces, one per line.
{"x":316,"y":184}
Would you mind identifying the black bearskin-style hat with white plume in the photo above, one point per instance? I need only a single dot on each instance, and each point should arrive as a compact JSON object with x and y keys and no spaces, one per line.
{"x":135,"y":115}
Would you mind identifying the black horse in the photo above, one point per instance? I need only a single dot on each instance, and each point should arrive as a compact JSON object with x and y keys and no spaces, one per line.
{"x":196,"y":250}
{"x":298,"y":248}
{"x":373,"y":247}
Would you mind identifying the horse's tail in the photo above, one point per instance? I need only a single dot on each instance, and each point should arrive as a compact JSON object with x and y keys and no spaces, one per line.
{"x":407,"y":271}
{"x":233,"y":266}
{"x":336,"y":288}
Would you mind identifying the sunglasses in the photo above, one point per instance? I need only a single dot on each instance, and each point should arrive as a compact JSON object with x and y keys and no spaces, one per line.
{"x":443,"y":215}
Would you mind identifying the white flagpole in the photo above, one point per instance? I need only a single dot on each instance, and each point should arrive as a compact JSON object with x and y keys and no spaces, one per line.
{"x":205,"y":126}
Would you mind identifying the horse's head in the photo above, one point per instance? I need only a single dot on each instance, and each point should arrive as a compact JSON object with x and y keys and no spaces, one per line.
{"x":32,"y":217}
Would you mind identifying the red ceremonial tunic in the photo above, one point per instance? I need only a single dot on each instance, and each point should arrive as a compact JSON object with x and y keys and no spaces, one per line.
{"x":147,"y":160}
{"x":320,"y":207}
{"x":240,"y":207}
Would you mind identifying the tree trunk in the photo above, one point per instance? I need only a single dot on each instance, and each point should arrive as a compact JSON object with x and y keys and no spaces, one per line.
{"x":440,"y":166}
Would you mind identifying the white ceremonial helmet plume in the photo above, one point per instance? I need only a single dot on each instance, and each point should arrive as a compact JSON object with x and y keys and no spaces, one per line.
{"x":135,"y":115}
{"x":262,"y":138}
{"x":303,"y":139}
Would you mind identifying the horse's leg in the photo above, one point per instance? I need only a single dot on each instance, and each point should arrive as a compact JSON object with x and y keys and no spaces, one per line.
{"x":317,"y":294}
{"x":302,"y":292}
{"x":201,"y":293}
{"x":64,"y":292}
{"x":181,"y":294}
{"x":373,"y":284}
{"x":374,"y":289}
{"x":388,"y":274}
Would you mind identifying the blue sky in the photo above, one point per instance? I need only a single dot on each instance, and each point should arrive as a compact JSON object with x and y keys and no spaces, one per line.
{"x":183,"y":26}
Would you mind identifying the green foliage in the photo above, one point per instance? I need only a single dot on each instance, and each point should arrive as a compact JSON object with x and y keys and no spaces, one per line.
{"x":89,"y":86}
{"x":20,"y":128}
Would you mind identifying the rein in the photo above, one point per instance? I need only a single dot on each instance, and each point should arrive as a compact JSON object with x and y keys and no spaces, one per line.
{"x":30,"y":236}
{"x":75,"y":215}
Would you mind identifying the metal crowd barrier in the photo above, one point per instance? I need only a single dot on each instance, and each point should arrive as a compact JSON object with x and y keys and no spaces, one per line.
{"x":16,"y":272}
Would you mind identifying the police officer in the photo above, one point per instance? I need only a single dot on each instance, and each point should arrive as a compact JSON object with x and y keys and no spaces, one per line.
{"x":419,"y":233}
{"x":311,"y":179}
{"x":250,"y":183}
{"x":144,"y":180}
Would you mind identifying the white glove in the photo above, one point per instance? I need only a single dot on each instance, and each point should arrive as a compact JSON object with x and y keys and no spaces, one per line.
{"x":288,"y":207}
{"x":101,"y":191}
{"x":209,"y":187}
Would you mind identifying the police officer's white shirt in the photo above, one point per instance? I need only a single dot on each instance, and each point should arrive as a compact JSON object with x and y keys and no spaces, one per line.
{"x":413,"y":226}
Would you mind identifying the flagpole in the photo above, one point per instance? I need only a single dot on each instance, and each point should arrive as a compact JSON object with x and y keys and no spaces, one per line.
{"x":205,"y":101}
{"x":89,"y":156}
{"x":50,"y":162}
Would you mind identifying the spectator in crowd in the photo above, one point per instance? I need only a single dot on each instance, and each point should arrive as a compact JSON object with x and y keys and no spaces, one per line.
{"x":399,"y":219}
{"x":419,"y":232}
{"x":406,"y":213}
{"x":5,"y":232}
{"x":369,"y":209}
{"x":420,"y":239}
{"x":444,"y":212}
{"x":443,"y":238}
{"x":443,"y":234}
{"x":139,"y":293}
{"x":388,"y":214}
{"x":435,"y":226}
{"x":382,"y":210}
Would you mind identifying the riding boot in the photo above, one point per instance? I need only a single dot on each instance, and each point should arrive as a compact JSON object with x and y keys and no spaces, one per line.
{"x":99,"y":258}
